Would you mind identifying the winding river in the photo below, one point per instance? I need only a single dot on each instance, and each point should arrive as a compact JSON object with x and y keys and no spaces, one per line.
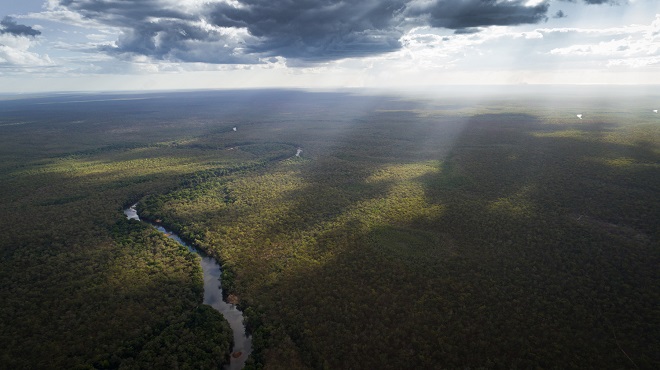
{"x":213,"y":296}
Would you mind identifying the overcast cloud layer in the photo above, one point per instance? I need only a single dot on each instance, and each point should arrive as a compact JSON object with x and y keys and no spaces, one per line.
{"x":246,"y":31}
{"x":211,"y":43}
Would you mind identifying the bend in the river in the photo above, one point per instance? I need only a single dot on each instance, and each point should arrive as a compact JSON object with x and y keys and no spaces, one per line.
{"x":213,"y":296}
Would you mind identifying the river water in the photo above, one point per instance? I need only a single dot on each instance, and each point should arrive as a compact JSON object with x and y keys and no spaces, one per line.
{"x":213,"y":296}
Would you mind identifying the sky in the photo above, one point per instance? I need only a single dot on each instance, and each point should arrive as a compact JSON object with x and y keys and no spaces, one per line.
{"x":104,"y":45}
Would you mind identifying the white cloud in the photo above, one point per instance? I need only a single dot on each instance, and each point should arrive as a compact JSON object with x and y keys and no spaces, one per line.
{"x":55,"y":13}
{"x":639,"y":62}
{"x":97,"y":37}
{"x":15,"y":53}
{"x":635,"y":46}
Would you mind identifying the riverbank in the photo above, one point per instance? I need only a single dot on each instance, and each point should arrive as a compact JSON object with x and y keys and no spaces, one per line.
{"x":213,"y":294}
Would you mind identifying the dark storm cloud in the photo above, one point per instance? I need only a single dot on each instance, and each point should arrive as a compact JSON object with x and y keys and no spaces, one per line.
{"x":152,"y":29}
{"x":173,"y":39}
{"x":462,"y":14}
{"x":331,"y":29}
{"x":123,"y":13}
{"x":9,"y":25}
{"x":304,"y":30}
{"x":316,"y":29}
{"x":595,"y":2}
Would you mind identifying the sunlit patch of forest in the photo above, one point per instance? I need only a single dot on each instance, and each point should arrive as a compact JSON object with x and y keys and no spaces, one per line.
{"x":444,"y":232}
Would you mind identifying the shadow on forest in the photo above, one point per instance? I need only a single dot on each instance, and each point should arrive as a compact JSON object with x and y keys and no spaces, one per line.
{"x":337,"y":176}
{"x":553,"y":254}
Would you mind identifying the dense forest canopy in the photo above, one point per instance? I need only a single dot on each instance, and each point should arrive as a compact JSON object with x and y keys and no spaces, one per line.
{"x":499,"y":231}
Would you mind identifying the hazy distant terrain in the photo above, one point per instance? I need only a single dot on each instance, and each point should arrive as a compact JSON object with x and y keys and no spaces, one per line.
{"x":455,"y":230}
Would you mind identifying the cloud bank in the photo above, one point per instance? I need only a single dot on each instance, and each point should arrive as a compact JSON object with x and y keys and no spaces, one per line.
{"x":252,"y":31}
